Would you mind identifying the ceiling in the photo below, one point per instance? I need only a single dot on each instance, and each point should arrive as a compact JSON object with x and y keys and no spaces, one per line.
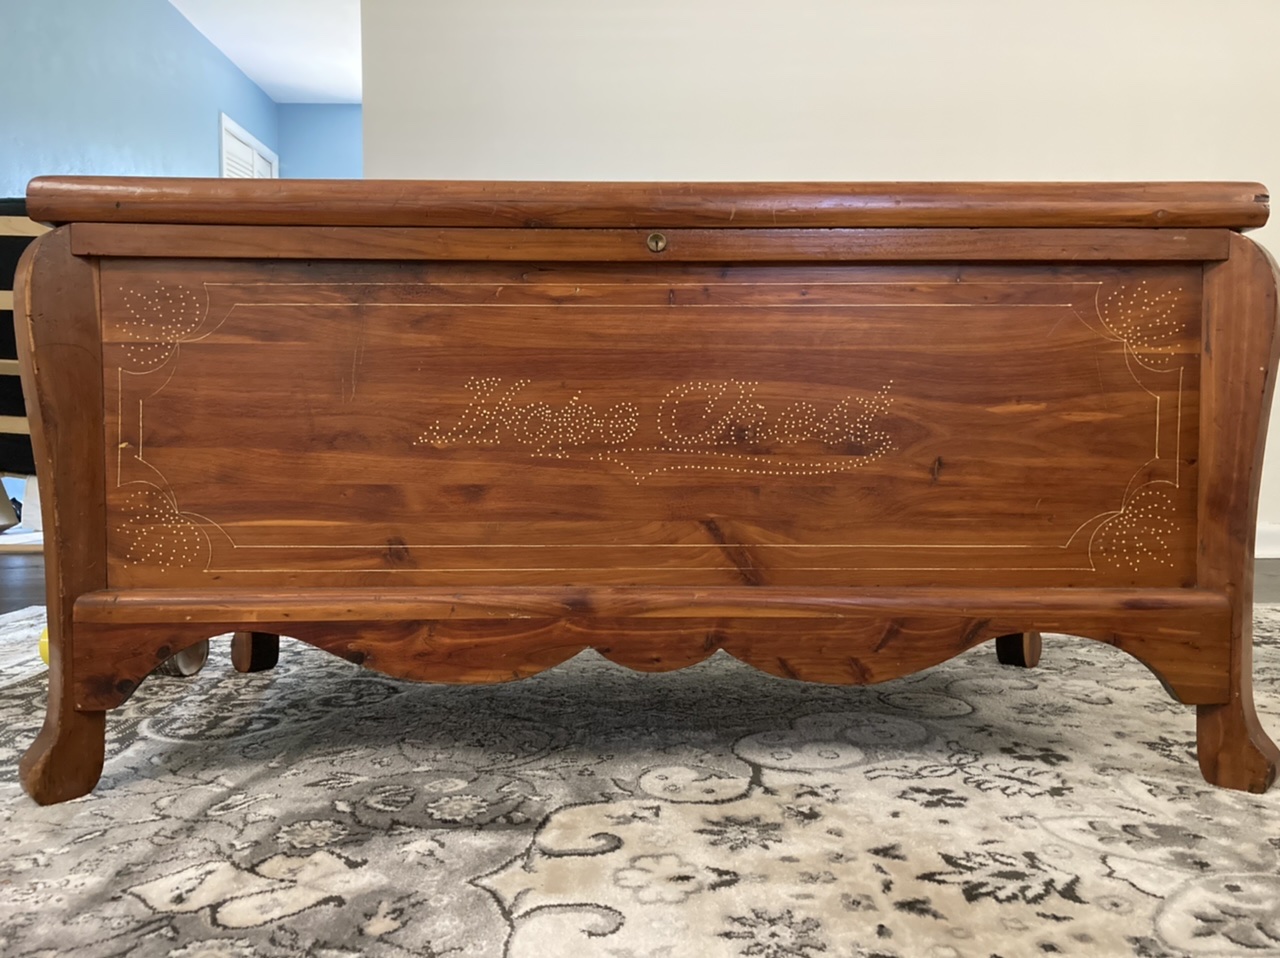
{"x":298,"y":51}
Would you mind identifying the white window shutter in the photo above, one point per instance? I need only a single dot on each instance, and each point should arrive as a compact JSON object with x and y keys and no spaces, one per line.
{"x":263,"y":167}
{"x":244,"y":155}
{"x":237,"y":156}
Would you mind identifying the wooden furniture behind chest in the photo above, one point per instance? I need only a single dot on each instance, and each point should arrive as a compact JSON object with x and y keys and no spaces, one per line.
{"x":461,"y":431}
{"x":16,"y":233}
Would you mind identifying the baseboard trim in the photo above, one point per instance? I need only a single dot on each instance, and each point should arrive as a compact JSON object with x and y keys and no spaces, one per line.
{"x":1267,"y":545}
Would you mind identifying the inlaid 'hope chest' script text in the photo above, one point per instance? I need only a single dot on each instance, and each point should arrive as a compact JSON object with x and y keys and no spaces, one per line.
{"x":723,"y":423}
{"x":455,"y":424}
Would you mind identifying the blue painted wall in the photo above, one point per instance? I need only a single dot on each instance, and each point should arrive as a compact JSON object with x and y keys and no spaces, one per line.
{"x":116,"y":87}
{"x":321,"y":140}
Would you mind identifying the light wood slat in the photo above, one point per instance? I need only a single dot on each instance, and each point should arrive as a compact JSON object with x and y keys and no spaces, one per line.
{"x":9,"y":367}
{"x":6,"y":299}
{"x":14,"y":426}
{"x":21,"y":226}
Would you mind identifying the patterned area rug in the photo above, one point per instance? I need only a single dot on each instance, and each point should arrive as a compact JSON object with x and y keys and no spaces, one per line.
{"x":969,"y":811}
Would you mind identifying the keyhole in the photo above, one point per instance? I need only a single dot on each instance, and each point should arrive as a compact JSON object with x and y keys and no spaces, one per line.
{"x":657,"y":242}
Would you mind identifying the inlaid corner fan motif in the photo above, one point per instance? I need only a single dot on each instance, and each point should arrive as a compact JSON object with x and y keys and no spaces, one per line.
{"x":418,"y":383}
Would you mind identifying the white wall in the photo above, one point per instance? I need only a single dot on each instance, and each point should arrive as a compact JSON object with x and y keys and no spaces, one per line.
{"x":829,"y":90}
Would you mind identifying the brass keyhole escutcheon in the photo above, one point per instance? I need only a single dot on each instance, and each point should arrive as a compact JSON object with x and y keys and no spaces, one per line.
{"x":657,"y":242}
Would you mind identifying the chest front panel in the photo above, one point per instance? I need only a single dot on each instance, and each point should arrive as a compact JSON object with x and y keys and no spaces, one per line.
{"x":421,"y":424}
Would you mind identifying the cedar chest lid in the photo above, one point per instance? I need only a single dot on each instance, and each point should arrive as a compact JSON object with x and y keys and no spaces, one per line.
{"x":468,"y":203}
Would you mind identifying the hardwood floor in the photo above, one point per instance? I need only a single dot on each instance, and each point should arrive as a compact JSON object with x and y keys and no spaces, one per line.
{"x":1266,"y":580}
{"x":22,"y":581}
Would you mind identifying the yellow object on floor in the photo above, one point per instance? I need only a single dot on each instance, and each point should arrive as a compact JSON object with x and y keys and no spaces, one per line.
{"x":44,"y":645}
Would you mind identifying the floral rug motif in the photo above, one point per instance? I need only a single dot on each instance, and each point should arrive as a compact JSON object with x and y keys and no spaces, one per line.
{"x":970,"y":811}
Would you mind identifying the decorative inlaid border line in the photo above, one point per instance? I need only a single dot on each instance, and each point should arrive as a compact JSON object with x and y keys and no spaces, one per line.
{"x":1122,"y":537}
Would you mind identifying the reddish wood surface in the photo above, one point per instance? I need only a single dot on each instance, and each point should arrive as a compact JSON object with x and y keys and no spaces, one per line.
{"x":1240,"y":354}
{"x":59,"y":347}
{"x":497,"y":447}
{"x":406,"y":425}
{"x":494,"y":635}
{"x":632,"y":246}
{"x":1057,"y":607}
{"x":644,"y":205}
{"x":868,"y":642}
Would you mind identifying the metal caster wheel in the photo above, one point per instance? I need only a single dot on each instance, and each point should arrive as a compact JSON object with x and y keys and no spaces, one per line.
{"x":187,"y":662}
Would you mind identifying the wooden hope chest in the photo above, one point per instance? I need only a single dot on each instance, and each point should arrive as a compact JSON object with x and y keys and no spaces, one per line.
{"x":461,"y":431}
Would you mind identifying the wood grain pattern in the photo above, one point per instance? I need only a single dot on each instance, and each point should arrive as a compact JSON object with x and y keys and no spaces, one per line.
{"x":677,"y":425}
{"x":643,"y":205}
{"x":1055,"y":606}
{"x":461,"y":432}
{"x":632,"y":246}
{"x":61,"y":354}
{"x":1240,"y":355}
{"x":858,"y":638}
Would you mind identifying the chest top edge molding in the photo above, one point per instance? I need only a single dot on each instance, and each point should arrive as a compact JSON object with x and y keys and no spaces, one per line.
{"x":672,"y":205}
